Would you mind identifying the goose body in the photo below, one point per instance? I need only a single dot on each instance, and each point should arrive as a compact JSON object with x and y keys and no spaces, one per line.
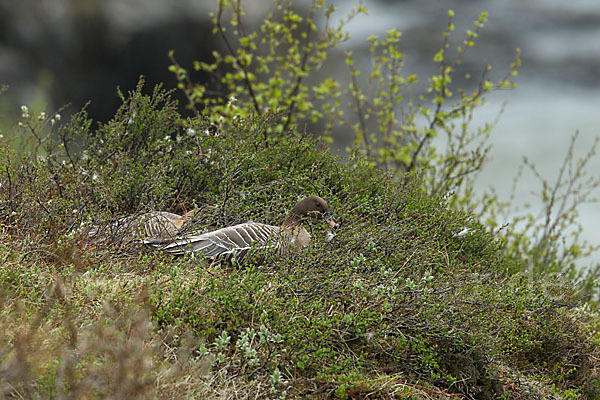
{"x":234,"y":242}
{"x":163,"y":225}
{"x":157,"y":226}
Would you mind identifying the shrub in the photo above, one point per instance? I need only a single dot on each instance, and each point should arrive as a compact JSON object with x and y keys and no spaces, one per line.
{"x":413,"y":297}
{"x":406,"y":124}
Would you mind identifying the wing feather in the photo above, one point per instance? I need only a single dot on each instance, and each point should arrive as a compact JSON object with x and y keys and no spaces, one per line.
{"x":231,"y":242}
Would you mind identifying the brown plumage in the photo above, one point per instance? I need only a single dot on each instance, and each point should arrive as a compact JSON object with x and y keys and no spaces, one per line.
{"x":235,"y":242}
{"x":157,"y":226}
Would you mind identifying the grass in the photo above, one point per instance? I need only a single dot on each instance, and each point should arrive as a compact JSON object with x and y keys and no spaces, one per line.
{"x":396,"y":306}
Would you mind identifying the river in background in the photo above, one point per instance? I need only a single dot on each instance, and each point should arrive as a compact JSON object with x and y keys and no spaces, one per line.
{"x":558,"y":90}
{"x":59,"y":51}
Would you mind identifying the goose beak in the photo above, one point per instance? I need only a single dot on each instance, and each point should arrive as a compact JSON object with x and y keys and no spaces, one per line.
{"x":330,"y":221}
{"x":332,"y":224}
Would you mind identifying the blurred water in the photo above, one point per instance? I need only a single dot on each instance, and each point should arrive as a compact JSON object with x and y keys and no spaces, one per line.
{"x":538,"y":123}
{"x":558,"y":89}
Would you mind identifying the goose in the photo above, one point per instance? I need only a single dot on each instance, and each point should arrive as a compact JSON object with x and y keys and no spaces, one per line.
{"x":154,"y":226}
{"x":234,"y":242}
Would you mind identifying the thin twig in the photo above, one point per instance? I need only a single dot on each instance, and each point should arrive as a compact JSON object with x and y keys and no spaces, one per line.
{"x":234,"y":55}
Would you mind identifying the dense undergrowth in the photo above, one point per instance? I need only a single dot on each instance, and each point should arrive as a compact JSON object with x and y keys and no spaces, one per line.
{"x":403,"y":303}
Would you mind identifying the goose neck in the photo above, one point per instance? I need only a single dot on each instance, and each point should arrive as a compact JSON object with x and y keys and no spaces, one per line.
{"x":292,"y":222}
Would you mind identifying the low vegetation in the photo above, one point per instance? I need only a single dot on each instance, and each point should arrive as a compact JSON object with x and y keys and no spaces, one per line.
{"x":411,"y":299}
{"x":415,"y":297}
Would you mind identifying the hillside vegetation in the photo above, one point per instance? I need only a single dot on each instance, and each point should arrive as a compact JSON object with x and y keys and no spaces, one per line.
{"x":402,"y":303}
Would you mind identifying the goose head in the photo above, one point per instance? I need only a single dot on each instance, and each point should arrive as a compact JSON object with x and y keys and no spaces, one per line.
{"x":313,"y":207}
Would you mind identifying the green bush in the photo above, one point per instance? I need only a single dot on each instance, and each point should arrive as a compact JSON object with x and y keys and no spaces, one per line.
{"x":406,"y":124}
{"x":414,"y":298}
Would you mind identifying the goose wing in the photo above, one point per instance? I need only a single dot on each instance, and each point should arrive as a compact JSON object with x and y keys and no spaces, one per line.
{"x":155,"y":225}
{"x":161,"y":224}
{"x":231,"y":242}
